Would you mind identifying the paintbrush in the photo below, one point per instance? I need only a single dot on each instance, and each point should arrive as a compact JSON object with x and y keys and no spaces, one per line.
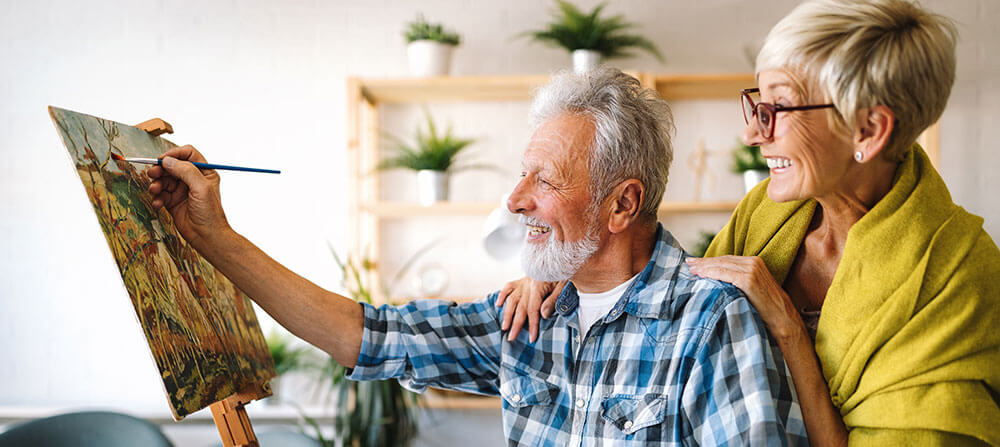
{"x":159,"y":162}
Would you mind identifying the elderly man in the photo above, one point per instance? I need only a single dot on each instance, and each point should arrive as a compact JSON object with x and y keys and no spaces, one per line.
{"x":640,"y":353}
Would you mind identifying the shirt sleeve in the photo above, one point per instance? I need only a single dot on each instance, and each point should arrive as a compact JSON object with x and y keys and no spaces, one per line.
{"x":739,"y":391}
{"x":432,"y":343}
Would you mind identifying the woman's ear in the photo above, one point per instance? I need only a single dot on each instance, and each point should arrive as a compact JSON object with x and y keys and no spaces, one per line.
{"x":626,"y":199}
{"x":875,"y":126}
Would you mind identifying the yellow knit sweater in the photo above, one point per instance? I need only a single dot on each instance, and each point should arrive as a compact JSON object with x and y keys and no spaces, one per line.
{"x":909,"y":335}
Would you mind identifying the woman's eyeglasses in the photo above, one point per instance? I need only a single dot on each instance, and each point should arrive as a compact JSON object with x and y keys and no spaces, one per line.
{"x":765,"y":112}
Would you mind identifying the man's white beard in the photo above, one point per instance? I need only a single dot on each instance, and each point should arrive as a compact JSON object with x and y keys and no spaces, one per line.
{"x":556,"y":260}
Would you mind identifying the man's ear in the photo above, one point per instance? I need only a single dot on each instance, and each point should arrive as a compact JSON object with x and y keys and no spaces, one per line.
{"x":626,"y":199}
{"x":874,"y":131}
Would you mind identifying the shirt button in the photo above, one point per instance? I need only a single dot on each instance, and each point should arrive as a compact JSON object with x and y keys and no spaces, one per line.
{"x":516,"y":398}
{"x":628,"y":425}
{"x":580,"y":403}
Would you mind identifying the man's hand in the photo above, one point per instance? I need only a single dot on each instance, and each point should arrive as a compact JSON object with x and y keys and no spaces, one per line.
{"x":190,"y":195}
{"x":530,"y":299}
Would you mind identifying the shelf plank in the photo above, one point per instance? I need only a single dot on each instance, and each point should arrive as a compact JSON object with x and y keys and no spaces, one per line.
{"x":704,"y":86}
{"x":451,"y":88}
{"x":520,"y":88}
{"x":397,"y":210}
{"x":403,"y":209}
{"x":459,"y":401}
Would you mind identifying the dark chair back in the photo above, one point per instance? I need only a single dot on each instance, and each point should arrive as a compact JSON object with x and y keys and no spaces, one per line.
{"x":85,"y":429}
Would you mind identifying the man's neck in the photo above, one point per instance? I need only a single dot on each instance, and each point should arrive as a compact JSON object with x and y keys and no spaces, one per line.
{"x":619,"y":258}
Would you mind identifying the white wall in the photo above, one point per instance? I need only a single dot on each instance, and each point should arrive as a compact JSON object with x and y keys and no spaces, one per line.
{"x":262,"y":83}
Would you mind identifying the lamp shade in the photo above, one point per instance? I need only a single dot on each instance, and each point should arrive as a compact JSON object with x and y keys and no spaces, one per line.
{"x":502,"y":233}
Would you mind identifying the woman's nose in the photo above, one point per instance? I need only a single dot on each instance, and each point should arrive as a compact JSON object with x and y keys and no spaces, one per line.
{"x":751,"y":135}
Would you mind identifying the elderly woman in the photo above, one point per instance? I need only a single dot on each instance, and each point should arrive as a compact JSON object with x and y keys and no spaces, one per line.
{"x":883,"y":294}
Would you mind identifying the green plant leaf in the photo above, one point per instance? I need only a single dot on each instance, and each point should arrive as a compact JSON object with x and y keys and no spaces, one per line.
{"x":431,"y":150}
{"x":573,"y":29}
{"x":747,"y":158}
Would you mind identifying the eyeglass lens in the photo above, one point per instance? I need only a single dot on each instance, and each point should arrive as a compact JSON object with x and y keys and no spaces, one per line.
{"x":758,"y":112}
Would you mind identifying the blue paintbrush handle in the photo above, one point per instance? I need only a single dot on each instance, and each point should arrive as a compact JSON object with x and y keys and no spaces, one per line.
{"x":233,"y":168}
{"x":159,"y":161}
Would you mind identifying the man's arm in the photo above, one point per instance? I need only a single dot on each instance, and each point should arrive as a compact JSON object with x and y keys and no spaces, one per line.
{"x":433,"y":343}
{"x":738,"y":391}
{"x":327,"y":320}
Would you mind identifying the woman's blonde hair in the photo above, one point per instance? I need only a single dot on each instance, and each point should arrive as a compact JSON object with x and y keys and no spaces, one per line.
{"x":867,"y":53}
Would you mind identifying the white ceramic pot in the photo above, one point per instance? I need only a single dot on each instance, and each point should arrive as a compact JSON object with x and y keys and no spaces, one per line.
{"x":429,"y":58}
{"x":752,"y":178}
{"x":432,"y":186}
{"x":585,"y":60}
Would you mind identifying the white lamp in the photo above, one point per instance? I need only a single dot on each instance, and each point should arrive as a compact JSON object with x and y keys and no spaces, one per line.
{"x":502,"y":233}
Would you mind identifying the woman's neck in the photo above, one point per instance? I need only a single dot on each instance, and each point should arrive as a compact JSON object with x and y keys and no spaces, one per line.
{"x":841,"y":209}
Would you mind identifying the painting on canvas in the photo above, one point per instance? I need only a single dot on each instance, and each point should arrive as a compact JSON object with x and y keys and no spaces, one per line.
{"x":201,"y":330}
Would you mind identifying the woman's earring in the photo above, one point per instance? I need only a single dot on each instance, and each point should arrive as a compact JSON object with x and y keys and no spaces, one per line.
{"x":858,"y":156}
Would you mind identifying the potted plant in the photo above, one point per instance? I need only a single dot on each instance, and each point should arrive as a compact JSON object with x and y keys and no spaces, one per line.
{"x":590,"y":37}
{"x":375,"y":413}
{"x":432,"y":156}
{"x":701,"y":246}
{"x":287,"y":358}
{"x":429,"y":47}
{"x":748,"y":161}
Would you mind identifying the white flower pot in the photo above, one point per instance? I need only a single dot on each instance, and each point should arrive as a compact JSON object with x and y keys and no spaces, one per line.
{"x":432,"y":186}
{"x":752,"y":178}
{"x":429,"y":58}
{"x":585,"y":60}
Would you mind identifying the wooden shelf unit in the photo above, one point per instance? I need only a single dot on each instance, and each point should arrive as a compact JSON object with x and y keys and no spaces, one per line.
{"x":364,"y":95}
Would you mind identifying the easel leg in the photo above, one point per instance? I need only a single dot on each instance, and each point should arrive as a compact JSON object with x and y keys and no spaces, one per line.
{"x":233,"y":423}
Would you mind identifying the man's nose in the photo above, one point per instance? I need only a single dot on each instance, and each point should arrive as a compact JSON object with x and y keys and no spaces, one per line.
{"x":518,"y":202}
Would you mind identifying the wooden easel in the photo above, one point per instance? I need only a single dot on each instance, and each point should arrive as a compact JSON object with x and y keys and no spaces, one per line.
{"x":231,"y":417}
{"x":229,"y":414}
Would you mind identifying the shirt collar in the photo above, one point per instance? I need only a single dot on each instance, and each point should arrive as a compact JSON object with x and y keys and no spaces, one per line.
{"x":646,"y":296}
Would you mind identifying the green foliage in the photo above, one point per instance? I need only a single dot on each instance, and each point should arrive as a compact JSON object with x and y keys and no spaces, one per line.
{"x":748,"y":158}
{"x":573,"y":29}
{"x":286,"y":357}
{"x":420,"y":29}
{"x":430,"y":151}
{"x":704,"y":240}
{"x":368,"y":414}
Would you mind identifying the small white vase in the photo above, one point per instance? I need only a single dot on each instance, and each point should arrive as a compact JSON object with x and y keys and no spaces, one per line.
{"x":753,"y":177}
{"x":585,"y":60}
{"x":429,"y":58}
{"x":432,"y":186}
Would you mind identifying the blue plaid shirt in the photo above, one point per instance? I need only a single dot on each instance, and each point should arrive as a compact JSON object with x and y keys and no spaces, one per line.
{"x":679,"y":360}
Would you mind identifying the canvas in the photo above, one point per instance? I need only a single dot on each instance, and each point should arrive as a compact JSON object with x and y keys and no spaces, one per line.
{"x":201,"y":330}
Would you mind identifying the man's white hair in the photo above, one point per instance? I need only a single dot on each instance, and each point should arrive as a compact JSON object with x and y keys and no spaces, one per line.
{"x":633,"y":129}
{"x":861,"y":54}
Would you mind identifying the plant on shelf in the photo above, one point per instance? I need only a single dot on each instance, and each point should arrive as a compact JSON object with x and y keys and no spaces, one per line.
{"x":590,"y":37}
{"x":704,"y":240}
{"x":433,"y":156}
{"x":748,"y":161}
{"x":429,"y":47}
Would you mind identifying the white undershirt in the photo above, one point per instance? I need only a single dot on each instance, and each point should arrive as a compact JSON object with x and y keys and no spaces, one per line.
{"x":594,"y":306}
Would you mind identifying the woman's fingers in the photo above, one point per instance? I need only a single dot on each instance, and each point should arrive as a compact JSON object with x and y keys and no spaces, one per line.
{"x":549,"y":305}
{"x":504,"y":292}
{"x":519,"y":318}
{"x":534,"y":310}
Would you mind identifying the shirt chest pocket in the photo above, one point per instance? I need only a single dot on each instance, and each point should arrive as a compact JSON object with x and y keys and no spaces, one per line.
{"x":527,"y":390}
{"x":633,"y":413}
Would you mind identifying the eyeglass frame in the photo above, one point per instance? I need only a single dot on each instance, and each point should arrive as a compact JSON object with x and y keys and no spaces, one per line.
{"x":771,"y":108}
